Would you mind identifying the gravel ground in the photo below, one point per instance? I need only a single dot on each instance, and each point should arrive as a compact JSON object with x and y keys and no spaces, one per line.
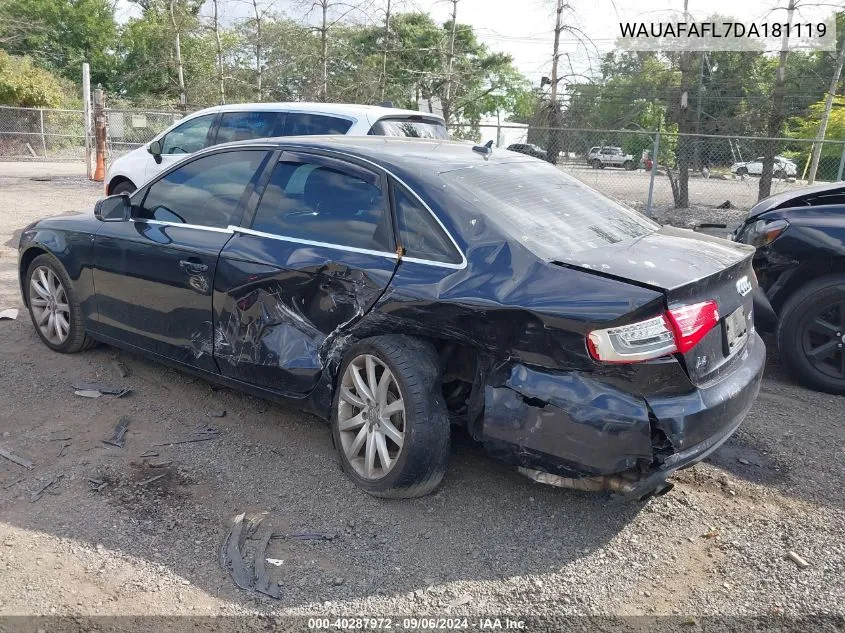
{"x":489,"y":542}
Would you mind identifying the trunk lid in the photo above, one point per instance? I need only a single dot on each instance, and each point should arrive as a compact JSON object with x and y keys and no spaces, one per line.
{"x":688,"y":268}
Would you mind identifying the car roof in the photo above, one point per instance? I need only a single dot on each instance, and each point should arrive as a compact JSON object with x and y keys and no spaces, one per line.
{"x":410,"y":155}
{"x":340,"y":109}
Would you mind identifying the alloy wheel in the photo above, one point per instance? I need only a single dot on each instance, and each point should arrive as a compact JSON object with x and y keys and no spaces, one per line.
{"x":48,"y":300}
{"x":824,"y":340}
{"x":370,"y":417}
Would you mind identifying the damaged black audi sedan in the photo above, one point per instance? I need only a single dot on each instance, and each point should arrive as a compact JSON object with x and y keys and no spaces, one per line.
{"x":398,"y":287}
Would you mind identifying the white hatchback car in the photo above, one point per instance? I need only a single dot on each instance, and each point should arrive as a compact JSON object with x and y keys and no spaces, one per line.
{"x":781,"y":168}
{"x":244,"y":121}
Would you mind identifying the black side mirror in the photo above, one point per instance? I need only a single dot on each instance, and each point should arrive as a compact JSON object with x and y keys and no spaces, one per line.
{"x":116,"y":208}
{"x":154,"y":148}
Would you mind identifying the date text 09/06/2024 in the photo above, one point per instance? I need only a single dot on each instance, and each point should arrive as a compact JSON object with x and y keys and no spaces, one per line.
{"x":417,"y":624}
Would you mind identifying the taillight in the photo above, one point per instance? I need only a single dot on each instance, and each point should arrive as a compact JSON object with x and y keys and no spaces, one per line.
{"x":679,"y":330}
{"x":692,"y":323}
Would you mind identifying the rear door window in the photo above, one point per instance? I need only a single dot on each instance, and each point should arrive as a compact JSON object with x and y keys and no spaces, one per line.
{"x":203,"y":192}
{"x":243,"y":126}
{"x":420,"y":234}
{"x":325,"y":202}
{"x":413,"y":127}
{"x":303,"y":124}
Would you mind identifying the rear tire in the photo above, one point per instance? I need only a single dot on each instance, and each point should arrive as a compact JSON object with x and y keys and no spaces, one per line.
{"x":58,"y":292}
{"x":629,"y":165}
{"x":125,"y":186}
{"x":811,"y":334}
{"x":596,"y":163}
{"x":416,"y":466}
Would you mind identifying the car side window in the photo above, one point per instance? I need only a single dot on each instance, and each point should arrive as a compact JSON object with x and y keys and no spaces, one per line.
{"x":204,"y":192}
{"x":419,"y":233}
{"x":189,"y":137}
{"x":242,"y":126}
{"x":325,"y":203}
{"x":303,"y":124}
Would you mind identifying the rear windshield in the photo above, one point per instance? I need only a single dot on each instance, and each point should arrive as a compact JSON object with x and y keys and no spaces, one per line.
{"x":551,"y":213}
{"x":412,"y":127}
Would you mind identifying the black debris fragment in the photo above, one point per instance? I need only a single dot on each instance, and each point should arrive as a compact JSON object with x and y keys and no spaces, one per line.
{"x":119,"y":437}
{"x":221,"y":413}
{"x":149,"y":454}
{"x":262,"y":577}
{"x":152,"y":479}
{"x":161,"y":464}
{"x":62,"y":450}
{"x":122,"y":370}
{"x":97,"y":485}
{"x":20,"y":461}
{"x":61,"y":437}
{"x":36,"y":494}
{"x":105,"y":390}
{"x":209,"y":433}
{"x":231,"y":558}
{"x":87,"y":393}
{"x":307,"y":536}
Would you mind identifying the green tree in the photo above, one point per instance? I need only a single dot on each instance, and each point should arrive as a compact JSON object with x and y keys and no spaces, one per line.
{"x":60,"y":35}
{"x":25,"y":85}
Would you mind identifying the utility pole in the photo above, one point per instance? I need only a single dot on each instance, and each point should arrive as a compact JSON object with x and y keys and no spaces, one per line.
{"x":697,"y":161}
{"x":324,"y":52}
{"x":450,"y":56}
{"x":214,"y":4}
{"x":258,"y":50}
{"x":556,"y":52}
{"x":776,"y":115}
{"x":183,"y":97}
{"x":86,"y":114}
{"x":384,"y":53}
{"x":828,"y":105}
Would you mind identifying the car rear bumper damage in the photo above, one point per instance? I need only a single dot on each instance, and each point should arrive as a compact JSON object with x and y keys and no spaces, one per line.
{"x":575,"y":430}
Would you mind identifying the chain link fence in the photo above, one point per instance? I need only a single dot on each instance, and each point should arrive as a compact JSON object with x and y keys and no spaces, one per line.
{"x":52,"y":134}
{"x":640,"y":168}
{"x":39,"y":134}
{"x":723,"y":172}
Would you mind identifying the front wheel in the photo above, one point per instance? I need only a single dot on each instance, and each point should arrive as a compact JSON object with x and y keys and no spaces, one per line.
{"x":629,"y":165}
{"x":811,"y":334}
{"x":742,"y":171}
{"x":389,"y":419}
{"x":54,"y":306}
{"x":125,"y":186}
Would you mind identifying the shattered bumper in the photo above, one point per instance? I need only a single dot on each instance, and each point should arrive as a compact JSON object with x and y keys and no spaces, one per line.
{"x":578,"y":426}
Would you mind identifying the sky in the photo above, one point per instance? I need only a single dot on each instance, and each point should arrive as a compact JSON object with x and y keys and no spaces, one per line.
{"x":525,"y":28}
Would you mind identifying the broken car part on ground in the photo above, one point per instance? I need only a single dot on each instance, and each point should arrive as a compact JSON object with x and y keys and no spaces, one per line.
{"x":395,"y":286}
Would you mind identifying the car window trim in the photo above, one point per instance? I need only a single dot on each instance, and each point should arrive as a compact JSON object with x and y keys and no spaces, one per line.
{"x":200,"y":227}
{"x":243,"y":202}
{"x":352,"y":158}
{"x":299,"y":240}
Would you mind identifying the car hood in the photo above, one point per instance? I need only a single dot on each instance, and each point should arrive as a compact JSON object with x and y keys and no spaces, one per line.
{"x":667,"y":259}
{"x":783,"y":199}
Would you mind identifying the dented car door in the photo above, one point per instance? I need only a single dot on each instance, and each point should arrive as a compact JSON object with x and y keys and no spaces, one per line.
{"x":316,"y":254}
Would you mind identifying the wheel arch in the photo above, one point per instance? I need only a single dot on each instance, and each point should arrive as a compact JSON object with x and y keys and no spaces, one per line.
{"x":116,"y":180}
{"x":807,"y":271}
{"x":26,"y":259}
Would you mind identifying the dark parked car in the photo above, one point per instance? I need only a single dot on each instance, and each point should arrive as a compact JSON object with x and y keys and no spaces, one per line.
{"x":529,"y":150}
{"x":393,"y":286}
{"x":800,"y":263}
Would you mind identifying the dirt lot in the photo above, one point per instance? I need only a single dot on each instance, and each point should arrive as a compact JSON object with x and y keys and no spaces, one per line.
{"x":487,"y":543}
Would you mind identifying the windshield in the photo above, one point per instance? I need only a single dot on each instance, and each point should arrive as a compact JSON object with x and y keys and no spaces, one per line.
{"x":551,"y":213}
{"x":415,"y":127}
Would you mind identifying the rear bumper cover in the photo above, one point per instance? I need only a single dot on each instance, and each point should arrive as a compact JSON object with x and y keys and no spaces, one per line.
{"x":575,"y":425}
